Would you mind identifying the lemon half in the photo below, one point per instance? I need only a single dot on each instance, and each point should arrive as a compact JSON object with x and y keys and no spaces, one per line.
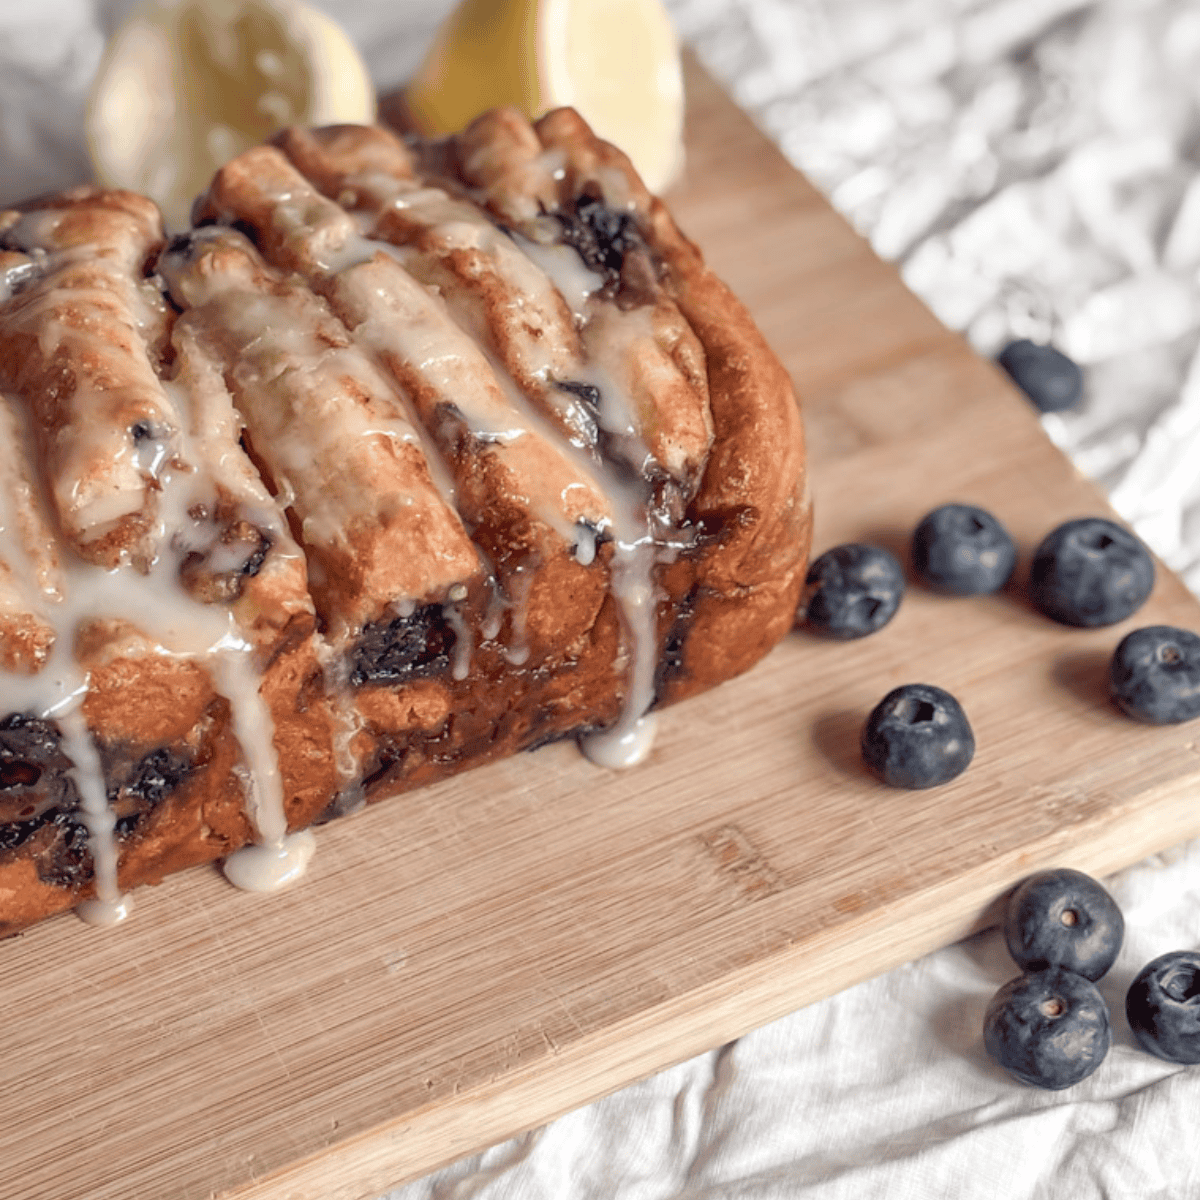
{"x":615,"y":61}
{"x":185,"y":85}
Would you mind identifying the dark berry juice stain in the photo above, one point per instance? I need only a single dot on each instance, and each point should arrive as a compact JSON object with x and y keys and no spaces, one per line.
{"x":150,"y":781}
{"x":601,"y":235}
{"x":403,"y":648}
{"x":39,"y":802}
{"x":589,"y":393}
{"x":34,"y":773}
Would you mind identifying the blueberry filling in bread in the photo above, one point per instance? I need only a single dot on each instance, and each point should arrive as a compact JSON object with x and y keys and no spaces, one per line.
{"x":404,"y":648}
{"x":404,"y":458}
{"x":39,"y":801}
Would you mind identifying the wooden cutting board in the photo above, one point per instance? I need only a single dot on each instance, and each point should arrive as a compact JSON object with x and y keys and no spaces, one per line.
{"x":476,"y":958}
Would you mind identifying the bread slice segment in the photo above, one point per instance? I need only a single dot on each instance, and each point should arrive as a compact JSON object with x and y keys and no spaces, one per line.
{"x":531,"y":499}
{"x":176,"y":636}
{"x":499,"y":297}
{"x":69,"y":343}
{"x":329,"y":431}
{"x":752,"y":511}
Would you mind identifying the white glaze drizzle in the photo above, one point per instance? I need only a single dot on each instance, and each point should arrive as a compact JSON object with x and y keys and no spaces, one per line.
{"x":278,"y":857}
{"x":394,"y":317}
{"x":636,"y":548}
{"x":271,"y":865}
{"x":460,"y":226}
{"x":109,"y":906}
{"x":16,"y":273}
{"x":586,"y":539}
{"x":57,"y":688}
{"x":95,"y":473}
{"x":348,"y":724}
{"x":575,"y":280}
{"x":639,"y":548}
{"x":460,"y":666}
{"x":179,"y":474}
{"x":627,"y":744}
{"x":303,"y":415}
{"x":520,"y":584}
{"x":178,"y":625}
{"x":636,"y":552}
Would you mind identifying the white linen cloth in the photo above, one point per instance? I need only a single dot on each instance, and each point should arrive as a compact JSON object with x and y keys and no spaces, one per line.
{"x":1034,"y":168}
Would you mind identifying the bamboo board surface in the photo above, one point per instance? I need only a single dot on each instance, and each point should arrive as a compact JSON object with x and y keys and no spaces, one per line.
{"x":478,"y":957}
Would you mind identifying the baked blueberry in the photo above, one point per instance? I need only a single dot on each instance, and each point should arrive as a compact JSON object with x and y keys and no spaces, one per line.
{"x":602,"y":236}
{"x":852,"y":590}
{"x":404,"y":648}
{"x":1063,"y":919}
{"x":1090,"y":572}
{"x":1051,"y":380}
{"x":1154,"y":675}
{"x":1163,"y":1006}
{"x":1048,"y":1028}
{"x":917,"y":736}
{"x":963,"y":551}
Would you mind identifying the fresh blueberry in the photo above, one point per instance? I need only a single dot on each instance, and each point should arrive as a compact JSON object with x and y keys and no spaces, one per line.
{"x":852,"y":590}
{"x":1047,"y":376}
{"x":1154,"y":675}
{"x":1163,"y":1006}
{"x":1090,"y":572}
{"x":1063,"y":919}
{"x":963,"y":551}
{"x":917,"y":736}
{"x":1048,"y":1028}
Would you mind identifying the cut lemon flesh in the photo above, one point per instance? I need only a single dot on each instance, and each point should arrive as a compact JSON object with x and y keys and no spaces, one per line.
{"x":185,"y":85}
{"x":615,"y":61}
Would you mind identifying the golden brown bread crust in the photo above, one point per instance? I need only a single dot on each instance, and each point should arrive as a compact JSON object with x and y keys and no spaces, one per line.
{"x":559,"y":410}
{"x":753,"y":499}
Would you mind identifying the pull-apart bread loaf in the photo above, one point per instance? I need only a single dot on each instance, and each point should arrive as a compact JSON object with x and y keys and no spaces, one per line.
{"x":407,"y":456}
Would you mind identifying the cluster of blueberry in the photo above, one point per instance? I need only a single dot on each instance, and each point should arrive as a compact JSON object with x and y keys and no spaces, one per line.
{"x":1087,"y":573}
{"x":1050,"y":1026}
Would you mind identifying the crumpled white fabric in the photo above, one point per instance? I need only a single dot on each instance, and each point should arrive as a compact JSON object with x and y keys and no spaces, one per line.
{"x":1033,"y":166}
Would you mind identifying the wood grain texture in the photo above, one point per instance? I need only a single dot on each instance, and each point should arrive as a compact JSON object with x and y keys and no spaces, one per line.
{"x":480,"y":956}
